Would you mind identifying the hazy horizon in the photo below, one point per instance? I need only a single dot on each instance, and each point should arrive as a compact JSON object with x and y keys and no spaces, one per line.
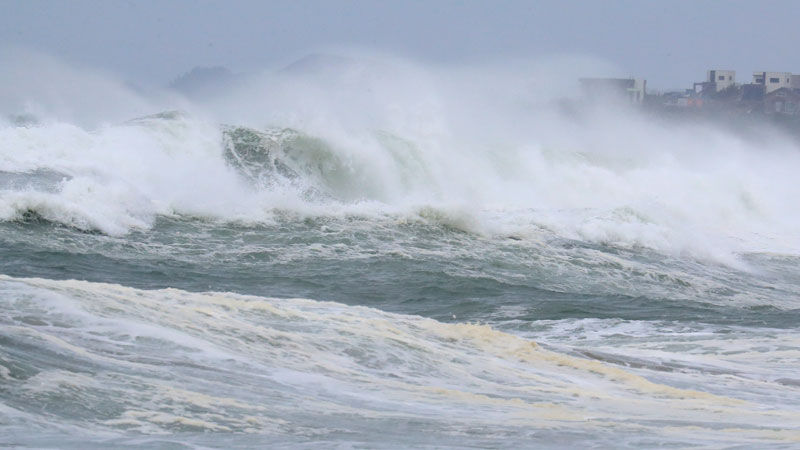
{"x":671,"y":44}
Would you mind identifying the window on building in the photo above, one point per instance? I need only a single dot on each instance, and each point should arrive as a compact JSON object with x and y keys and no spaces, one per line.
{"x":774,"y":80}
{"x":721,"y":77}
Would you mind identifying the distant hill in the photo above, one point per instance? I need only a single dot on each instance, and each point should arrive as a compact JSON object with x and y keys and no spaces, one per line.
{"x":203,"y":81}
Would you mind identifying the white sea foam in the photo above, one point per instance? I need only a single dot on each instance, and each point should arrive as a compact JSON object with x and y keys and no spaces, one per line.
{"x":169,"y":360}
{"x":487,"y":149}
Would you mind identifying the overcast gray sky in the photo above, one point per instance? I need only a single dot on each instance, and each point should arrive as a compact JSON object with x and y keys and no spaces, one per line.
{"x":671,"y":43}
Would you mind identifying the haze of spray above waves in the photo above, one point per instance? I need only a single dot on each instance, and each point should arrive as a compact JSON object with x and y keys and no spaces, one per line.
{"x":487,"y":149}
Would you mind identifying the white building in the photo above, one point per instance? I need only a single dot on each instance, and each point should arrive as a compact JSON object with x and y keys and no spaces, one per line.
{"x":720,"y":79}
{"x":773,"y":80}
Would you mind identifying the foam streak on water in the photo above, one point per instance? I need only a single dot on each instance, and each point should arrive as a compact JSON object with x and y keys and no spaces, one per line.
{"x":103,"y":361}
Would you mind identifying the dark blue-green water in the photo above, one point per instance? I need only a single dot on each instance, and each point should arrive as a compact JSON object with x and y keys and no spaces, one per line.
{"x":95,"y":363}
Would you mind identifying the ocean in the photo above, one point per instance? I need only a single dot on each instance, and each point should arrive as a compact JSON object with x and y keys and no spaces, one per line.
{"x":379,"y":255}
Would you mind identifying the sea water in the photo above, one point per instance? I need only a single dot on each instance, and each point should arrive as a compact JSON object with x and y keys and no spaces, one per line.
{"x":371,"y":253}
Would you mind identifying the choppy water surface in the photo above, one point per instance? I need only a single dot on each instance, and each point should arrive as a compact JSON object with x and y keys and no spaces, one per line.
{"x":395,"y":277}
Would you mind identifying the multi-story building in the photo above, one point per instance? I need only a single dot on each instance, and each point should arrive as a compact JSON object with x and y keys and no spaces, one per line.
{"x":716,"y":80}
{"x":773,"y":80}
{"x":720,"y":79}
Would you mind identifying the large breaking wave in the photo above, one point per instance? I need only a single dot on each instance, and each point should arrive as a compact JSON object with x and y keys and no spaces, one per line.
{"x":488,"y":150}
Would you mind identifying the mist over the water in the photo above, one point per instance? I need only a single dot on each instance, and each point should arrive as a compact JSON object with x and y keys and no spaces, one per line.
{"x":497,"y":149}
